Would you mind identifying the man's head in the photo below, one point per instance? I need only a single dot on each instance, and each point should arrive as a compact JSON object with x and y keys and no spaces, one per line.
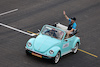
{"x":73,"y":19}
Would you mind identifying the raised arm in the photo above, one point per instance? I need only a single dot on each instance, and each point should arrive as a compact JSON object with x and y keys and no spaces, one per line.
{"x":65,"y":15}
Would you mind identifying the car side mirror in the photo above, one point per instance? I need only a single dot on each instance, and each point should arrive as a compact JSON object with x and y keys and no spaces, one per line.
{"x":38,"y":30}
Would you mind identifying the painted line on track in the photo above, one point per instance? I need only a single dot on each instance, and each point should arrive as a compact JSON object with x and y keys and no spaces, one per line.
{"x":88,"y":53}
{"x":32,"y":32}
{"x":18,"y":30}
{"x":8,"y":12}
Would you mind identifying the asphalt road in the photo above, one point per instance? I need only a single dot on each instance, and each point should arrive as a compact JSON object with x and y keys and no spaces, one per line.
{"x":33,"y":14}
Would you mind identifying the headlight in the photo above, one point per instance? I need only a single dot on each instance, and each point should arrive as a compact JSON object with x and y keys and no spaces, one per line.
{"x":51,"y":52}
{"x":29,"y":44}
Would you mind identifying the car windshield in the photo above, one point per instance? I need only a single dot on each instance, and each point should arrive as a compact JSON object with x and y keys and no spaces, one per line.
{"x":53,"y":32}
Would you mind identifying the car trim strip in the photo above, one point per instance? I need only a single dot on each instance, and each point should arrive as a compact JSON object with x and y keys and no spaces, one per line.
{"x":66,"y":53}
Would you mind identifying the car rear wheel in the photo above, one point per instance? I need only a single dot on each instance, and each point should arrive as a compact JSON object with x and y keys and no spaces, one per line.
{"x":57,"y":58}
{"x":75,"y":48}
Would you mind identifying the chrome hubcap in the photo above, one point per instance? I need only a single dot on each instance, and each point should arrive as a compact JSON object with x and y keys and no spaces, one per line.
{"x":76,"y":48}
{"x":57,"y":57}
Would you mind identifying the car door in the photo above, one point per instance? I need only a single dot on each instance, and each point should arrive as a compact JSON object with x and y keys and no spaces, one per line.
{"x":66,"y":46}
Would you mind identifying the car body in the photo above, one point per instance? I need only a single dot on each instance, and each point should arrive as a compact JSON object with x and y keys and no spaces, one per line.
{"x":51,"y":43}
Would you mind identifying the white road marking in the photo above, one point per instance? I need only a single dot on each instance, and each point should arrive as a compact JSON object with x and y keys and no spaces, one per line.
{"x":17,"y":29}
{"x":8,"y":12}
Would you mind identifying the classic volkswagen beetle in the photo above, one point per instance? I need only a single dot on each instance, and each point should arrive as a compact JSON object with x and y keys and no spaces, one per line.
{"x":51,"y":43}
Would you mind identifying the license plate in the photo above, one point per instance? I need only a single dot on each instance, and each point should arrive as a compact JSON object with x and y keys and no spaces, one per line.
{"x":37,"y":55}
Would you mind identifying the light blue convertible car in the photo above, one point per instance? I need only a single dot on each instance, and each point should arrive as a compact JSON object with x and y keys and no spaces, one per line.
{"x":51,"y":43}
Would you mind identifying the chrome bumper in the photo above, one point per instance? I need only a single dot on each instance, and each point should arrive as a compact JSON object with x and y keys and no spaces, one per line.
{"x":38,"y":54}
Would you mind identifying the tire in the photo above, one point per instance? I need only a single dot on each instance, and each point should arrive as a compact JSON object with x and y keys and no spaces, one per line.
{"x":27,"y":53}
{"x":75,"y":50}
{"x":56,"y":58}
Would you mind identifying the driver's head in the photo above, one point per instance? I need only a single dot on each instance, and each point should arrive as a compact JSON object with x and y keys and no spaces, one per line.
{"x":53,"y":29}
{"x":73,"y":19}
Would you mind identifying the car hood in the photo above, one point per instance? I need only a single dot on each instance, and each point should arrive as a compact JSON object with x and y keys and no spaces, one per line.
{"x":43,"y":43}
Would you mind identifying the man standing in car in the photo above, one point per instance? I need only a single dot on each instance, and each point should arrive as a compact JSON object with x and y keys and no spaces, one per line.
{"x":72,"y":24}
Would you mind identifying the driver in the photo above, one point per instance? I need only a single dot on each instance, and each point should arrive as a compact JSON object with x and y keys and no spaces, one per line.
{"x":52,"y":32}
{"x":72,"y":24}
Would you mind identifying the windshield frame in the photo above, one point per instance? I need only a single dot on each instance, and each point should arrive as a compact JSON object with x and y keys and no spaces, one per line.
{"x":54,"y":28}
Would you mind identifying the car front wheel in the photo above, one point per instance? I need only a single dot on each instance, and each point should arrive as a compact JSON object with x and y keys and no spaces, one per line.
{"x":57,"y":58}
{"x":27,"y":53}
